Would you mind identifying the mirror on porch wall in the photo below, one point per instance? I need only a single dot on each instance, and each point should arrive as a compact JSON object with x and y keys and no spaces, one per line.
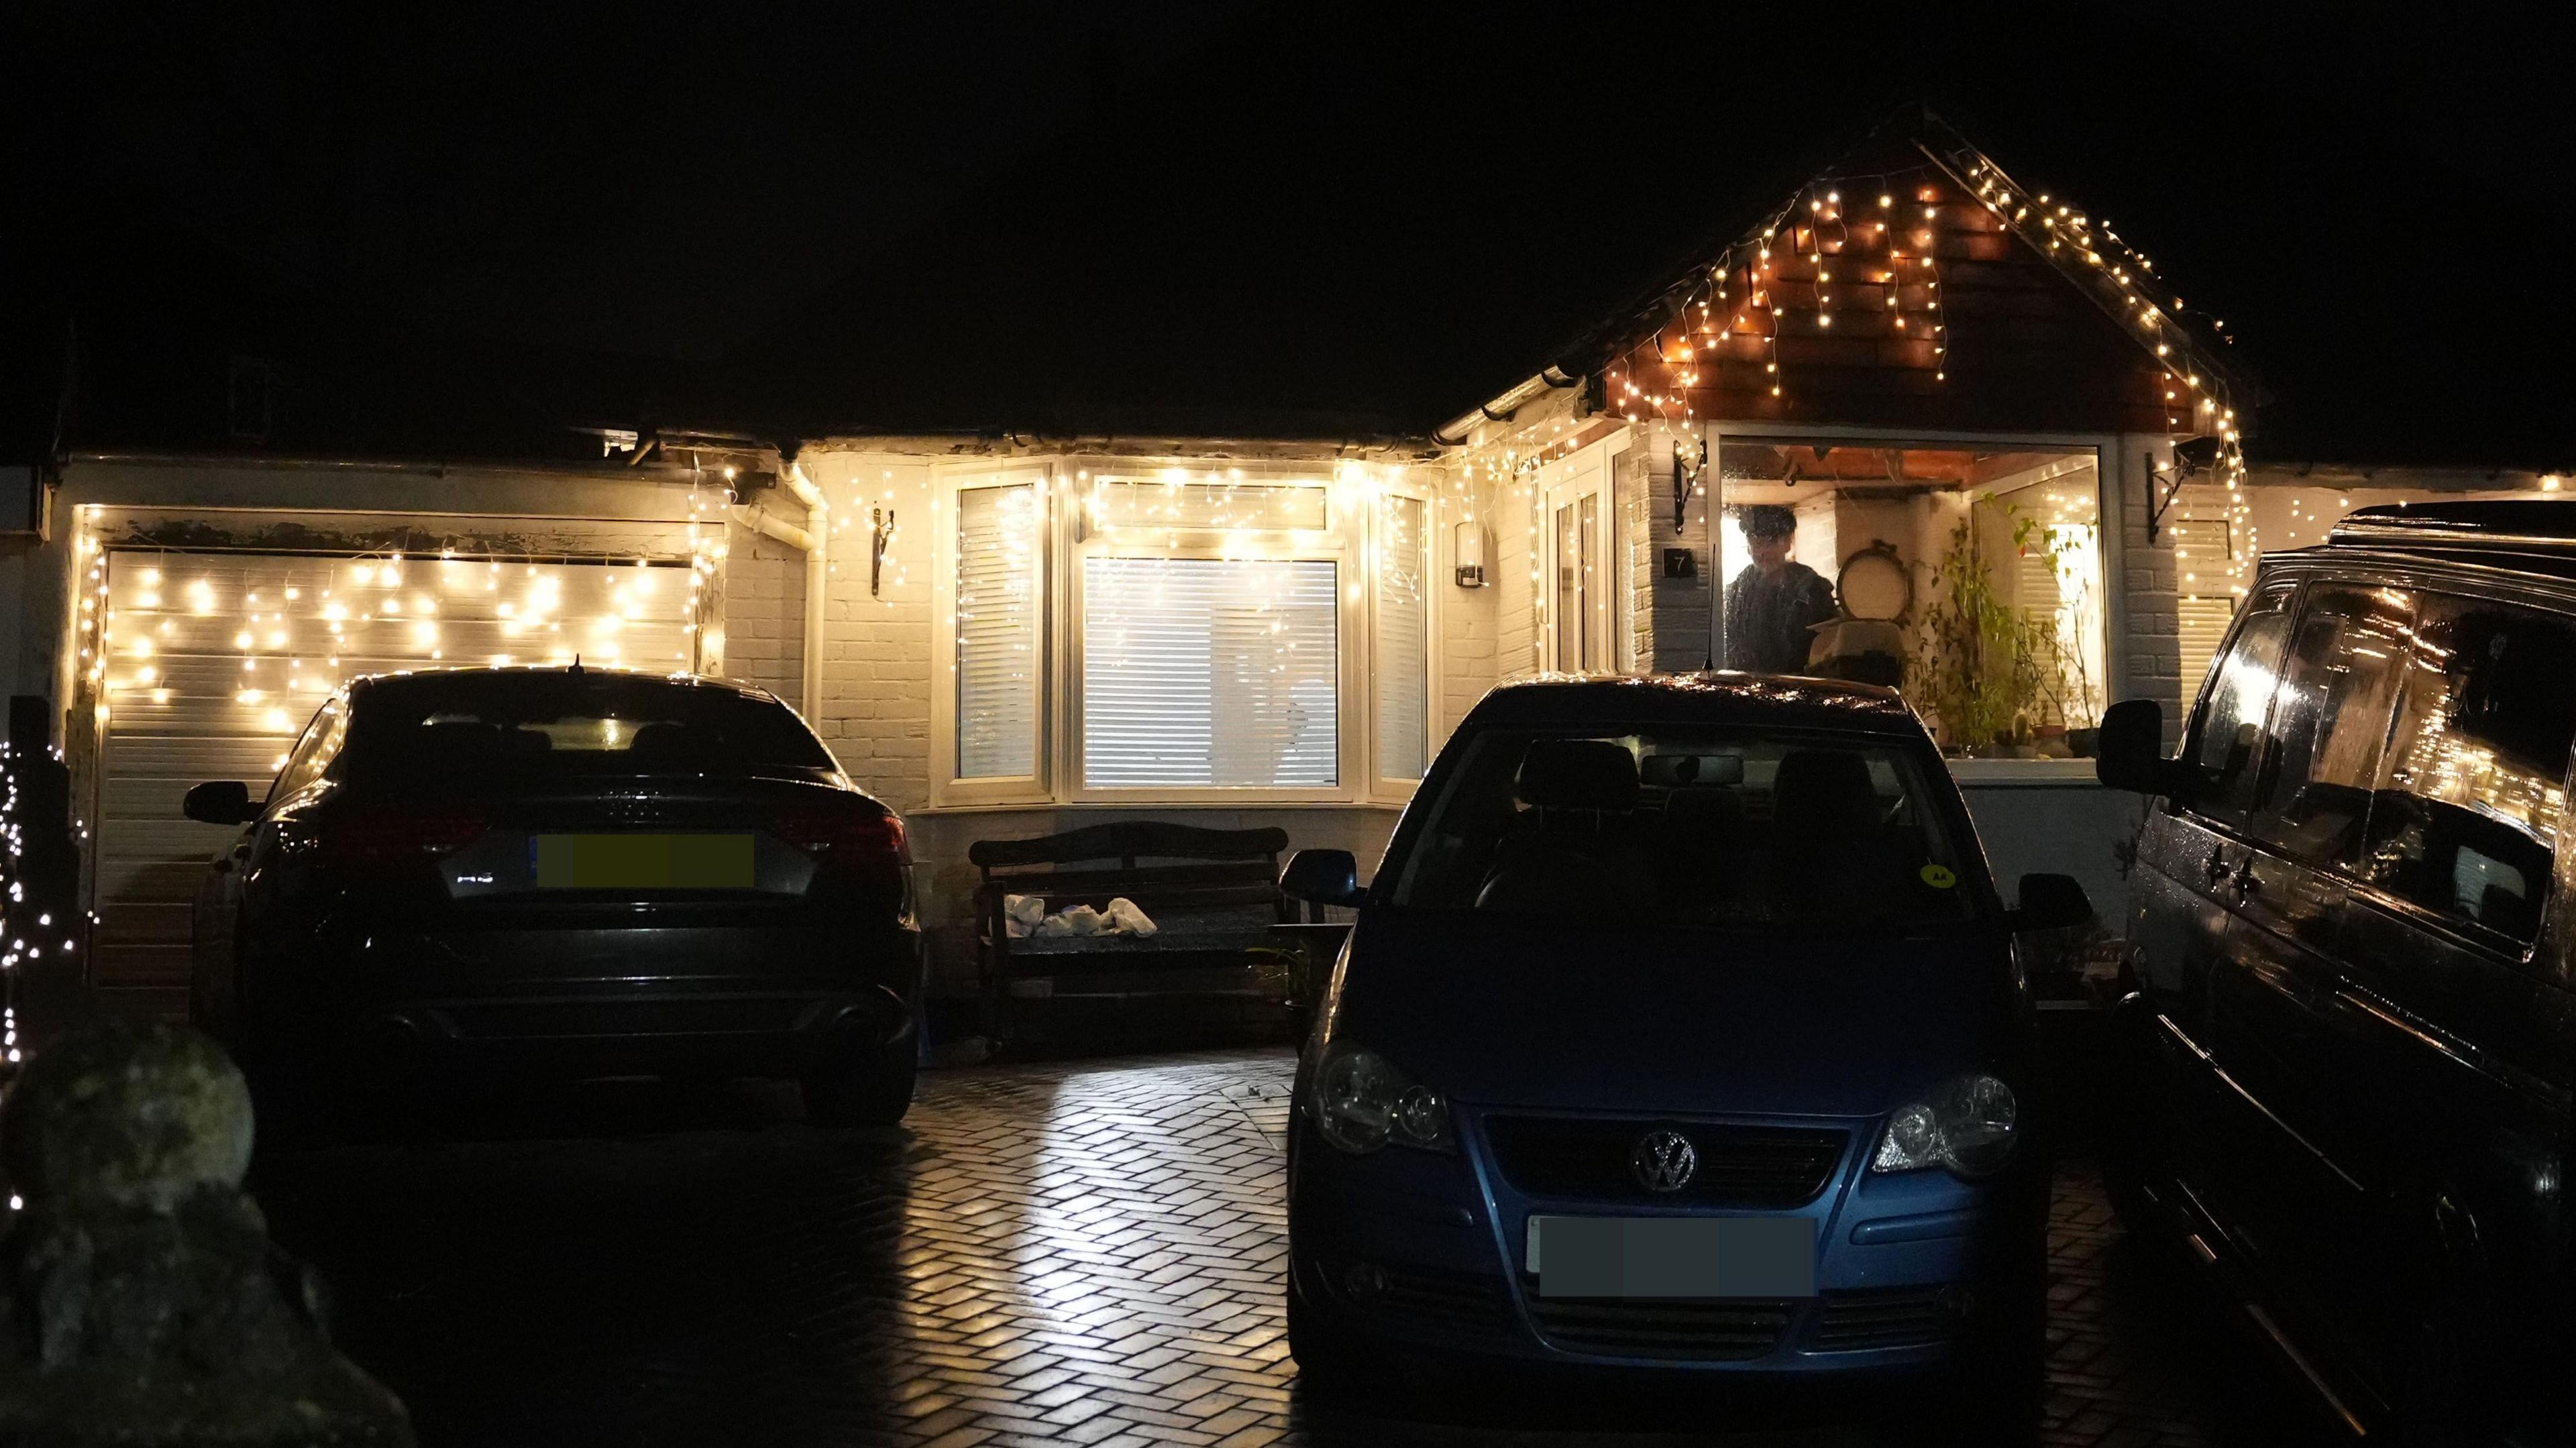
{"x":1969,"y":577}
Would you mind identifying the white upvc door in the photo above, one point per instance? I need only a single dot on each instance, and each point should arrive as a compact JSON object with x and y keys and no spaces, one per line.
{"x":1579,"y":576}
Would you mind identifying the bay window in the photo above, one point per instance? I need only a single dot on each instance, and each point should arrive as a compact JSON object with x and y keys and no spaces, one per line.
{"x":1209,"y":638}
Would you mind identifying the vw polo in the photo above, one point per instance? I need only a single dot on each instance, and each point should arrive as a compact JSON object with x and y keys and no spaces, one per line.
{"x":1679,"y":1030}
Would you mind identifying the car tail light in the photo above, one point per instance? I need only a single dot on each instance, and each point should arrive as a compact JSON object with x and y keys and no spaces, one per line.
{"x":849,"y":843}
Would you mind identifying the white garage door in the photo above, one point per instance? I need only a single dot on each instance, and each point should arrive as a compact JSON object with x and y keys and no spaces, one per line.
{"x":215,"y":661}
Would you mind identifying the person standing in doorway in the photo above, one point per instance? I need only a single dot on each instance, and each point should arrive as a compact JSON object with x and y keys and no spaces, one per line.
{"x":1773,"y":606}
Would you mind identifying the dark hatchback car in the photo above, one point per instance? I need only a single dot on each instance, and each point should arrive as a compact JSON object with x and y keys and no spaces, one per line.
{"x":479,"y":873}
{"x":1680,"y":1029}
{"x":2351,"y":1036}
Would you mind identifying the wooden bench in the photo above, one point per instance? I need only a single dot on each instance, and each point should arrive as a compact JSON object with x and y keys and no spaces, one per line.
{"x":1212,"y":894}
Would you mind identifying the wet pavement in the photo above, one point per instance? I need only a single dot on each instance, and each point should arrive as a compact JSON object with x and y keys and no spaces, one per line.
{"x":1076,"y":1253}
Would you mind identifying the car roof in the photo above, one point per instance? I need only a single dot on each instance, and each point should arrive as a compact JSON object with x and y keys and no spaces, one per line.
{"x":1716,"y":697}
{"x":2512,"y":531}
{"x":399,"y":678}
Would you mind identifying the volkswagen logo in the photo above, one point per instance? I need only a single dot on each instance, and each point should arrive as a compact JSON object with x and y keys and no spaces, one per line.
{"x":1663,"y":1161}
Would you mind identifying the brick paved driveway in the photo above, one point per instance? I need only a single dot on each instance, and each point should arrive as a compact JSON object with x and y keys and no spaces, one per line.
{"x":1071,"y":1253}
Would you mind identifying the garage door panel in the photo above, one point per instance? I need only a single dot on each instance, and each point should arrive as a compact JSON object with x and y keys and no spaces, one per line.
{"x":166,"y":1002}
{"x":215,"y":662}
{"x":140,"y":803}
{"x":158,"y":923}
{"x":142,"y":880}
{"x":197,"y":756}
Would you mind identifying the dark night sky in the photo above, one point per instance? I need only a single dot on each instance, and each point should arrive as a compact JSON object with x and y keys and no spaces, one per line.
{"x":983,"y":215}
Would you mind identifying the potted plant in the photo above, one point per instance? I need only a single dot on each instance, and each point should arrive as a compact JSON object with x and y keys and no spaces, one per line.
{"x":1976,"y":665}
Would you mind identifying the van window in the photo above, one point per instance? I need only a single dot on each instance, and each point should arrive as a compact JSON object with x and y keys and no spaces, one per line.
{"x":2227,"y":732}
{"x":2473,"y":796}
{"x":2329,"y":715}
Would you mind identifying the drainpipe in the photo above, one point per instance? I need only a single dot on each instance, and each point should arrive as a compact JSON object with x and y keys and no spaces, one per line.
{"x":815,"y":540}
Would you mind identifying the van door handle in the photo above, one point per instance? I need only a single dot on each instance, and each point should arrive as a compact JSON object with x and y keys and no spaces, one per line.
{"x":2245,"y":882}
{"x":2215,"y":867}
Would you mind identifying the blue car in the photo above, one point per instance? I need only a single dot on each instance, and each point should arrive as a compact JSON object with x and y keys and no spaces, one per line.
{"x":1680,"y":1030}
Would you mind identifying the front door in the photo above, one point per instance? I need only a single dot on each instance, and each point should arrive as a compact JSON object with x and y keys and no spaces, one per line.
{"x":1579,"y":575}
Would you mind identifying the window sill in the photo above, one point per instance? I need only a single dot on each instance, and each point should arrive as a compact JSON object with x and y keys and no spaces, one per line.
{"x":1131,"y":806}
{"x":2042,"y":773}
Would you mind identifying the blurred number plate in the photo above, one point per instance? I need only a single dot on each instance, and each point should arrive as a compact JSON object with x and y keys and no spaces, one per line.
{"x":642,"y":862}
{"x":1674,"y":1256}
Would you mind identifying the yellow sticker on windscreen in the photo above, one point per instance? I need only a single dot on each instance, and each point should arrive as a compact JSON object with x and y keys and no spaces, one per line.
{"x":1939,"y":877}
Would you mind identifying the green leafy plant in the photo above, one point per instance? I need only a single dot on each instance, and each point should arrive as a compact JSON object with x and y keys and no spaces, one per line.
{"x":1981,"y":665}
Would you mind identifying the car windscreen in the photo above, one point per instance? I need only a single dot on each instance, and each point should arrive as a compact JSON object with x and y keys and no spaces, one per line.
{"x":464,"y":725}
{"x":1687,"y":827}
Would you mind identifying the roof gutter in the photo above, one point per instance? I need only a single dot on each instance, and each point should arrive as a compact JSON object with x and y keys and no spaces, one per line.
{"x":1550,"y":378}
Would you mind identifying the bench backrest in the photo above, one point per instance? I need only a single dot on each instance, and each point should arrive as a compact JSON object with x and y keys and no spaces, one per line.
{"x":1190,"y":867}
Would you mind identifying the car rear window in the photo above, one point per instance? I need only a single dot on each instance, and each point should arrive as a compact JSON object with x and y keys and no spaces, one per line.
{"x":1687,"y":827}
{"x":432,"y":725}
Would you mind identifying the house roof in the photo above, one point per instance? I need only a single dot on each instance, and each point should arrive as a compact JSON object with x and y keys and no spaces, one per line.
{"x":1990,"y":306}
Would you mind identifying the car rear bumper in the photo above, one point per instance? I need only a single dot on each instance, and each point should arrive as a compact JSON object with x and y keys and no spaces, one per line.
{"x":777,"y":1001}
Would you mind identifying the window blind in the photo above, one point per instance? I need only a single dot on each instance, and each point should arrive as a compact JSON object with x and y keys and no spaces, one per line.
{"x":1214,"y":673}
{"x":1401,"y":665}
{"x":997,"y":632}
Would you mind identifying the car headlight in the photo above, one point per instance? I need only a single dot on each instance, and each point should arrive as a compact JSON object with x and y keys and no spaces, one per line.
{"x":1361,"y":1103}
{"x":1966,"y":1124}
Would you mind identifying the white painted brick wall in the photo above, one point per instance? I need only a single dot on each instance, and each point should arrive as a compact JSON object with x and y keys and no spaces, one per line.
{"x":764,"y":610}
{"x":2146,"y":600}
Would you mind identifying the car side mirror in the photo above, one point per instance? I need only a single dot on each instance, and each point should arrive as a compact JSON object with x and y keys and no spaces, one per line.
{"x":1322,"y":877}
{"x":2130,"y":754}
{"x":2052,"y":902}
{"x":220,"y":802}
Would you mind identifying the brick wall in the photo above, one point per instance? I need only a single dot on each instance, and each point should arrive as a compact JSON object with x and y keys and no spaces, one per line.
{"x":1467,"y":657}
{"x":2145,"y":614}
{"x":1638,"y":475}
{"x":1680,"y":605}
{"x":764,"y":610}
{"x":1515,"y":580}
{"x":876,"y":646}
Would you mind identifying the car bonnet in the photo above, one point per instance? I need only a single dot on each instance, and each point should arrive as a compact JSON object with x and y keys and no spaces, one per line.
{"x":1494,"y":1011}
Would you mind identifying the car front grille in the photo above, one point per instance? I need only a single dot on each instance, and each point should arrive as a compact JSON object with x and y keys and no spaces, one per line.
{"x":1472,"y":1302}
{"x":1881,"y":1318}
{"x":1729,"y":1331}
{"x":1460,"y":1299}
{"x":1588,"y":1158}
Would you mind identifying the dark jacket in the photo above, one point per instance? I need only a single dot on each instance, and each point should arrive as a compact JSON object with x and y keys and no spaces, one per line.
{"x":1769,"y":621}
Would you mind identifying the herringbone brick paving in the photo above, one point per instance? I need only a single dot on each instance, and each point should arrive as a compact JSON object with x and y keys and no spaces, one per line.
{"x":1082,"y":1253}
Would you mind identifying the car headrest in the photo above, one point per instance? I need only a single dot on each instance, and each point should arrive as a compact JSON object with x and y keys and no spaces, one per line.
{"x":663,"y":740}
{"x":1703,"y":808}
{"x":1680,"y":771}
{"x":1823,"y":790}
{"x":1577,"y":774}
{"x":458,"y":741}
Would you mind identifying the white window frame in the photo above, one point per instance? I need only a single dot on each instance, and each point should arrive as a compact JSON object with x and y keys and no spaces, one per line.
{"x":1587,"y":472}
{"x":1337,"y":543}
{"x":1380,"y":787}
{"x":947,"y":788}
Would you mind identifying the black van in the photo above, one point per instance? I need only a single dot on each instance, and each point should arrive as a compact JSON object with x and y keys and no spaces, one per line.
{"x":2349,"y":1035}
